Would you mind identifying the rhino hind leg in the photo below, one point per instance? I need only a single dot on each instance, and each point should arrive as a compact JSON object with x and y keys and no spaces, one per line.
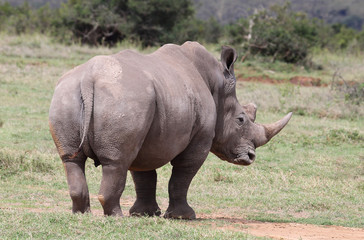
{"x":112,"y":186}
{"x":78,"y":190}
{"x":145,"y":187}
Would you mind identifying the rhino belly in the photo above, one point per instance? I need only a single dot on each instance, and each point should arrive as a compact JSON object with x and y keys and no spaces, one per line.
{"x":157,"y":152}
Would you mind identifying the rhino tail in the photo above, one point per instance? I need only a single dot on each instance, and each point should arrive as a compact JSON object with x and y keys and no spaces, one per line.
{"x":87,"y":102}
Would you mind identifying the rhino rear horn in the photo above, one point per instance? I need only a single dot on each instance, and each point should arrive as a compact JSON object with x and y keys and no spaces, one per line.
{"x":251,"y":110}
{"x":267,"y":131}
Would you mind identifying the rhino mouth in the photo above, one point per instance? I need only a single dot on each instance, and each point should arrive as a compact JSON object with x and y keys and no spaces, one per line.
{"x":245,"y":159}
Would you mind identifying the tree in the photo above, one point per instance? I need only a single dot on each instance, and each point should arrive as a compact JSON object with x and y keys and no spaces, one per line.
{"x":95,"y":21}
{"x":282,"y":34}
{"x":237,"y":32}
{"x":154,"y":20}
{"x":151,"y":22}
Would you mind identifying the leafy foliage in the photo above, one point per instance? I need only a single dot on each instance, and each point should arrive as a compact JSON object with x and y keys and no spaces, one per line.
{"x":237,"y":31}
{"x":155,"y":20}
{"x":108,"y":22}
{"x":98,"y":22}
{"x":283,"y":34}
{"x":94,"y":22}
{"x":342,"y":36}
{"x":278,"y":32}
{"x":24,"y":19}
{"x":348,"y":12}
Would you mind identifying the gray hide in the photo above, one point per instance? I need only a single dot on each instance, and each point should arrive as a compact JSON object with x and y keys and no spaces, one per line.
{"x":139,"y":112}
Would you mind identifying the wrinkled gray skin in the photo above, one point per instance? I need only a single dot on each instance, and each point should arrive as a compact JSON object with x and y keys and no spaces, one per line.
{"x":139,"y":112}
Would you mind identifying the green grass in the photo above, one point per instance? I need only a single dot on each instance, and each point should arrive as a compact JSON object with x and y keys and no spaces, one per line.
{"x":27,"y":225}
{"x":312,"y":172}
{"x":323,"y":65}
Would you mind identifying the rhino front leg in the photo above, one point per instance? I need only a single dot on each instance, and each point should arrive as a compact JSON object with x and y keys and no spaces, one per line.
{"x":112,"y":186}
{"x":76,"y":179}
{"x":185,"y":167}
{"x":145,"y":187}
{"x":178,"y":186}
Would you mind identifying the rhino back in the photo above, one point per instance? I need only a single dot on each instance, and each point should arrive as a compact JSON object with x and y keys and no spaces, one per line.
{"x":183,"y":104}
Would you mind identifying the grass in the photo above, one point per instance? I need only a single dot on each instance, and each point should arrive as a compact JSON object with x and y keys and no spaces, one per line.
{"x":66,"y":226}
{"x":312,"y":172}
{"x":347,"y":64}
{"x":304,"y":101}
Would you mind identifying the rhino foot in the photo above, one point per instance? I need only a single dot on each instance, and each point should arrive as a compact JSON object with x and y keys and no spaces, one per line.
{"x":115,"y":211}
{"x":181,"y":212}
{"x":140,"y":209}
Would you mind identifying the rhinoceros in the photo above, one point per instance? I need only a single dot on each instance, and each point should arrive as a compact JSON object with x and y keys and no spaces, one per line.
{"x":130,"y":111}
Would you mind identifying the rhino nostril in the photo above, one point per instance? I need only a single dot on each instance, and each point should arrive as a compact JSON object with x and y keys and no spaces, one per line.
{"x":251,"y":155}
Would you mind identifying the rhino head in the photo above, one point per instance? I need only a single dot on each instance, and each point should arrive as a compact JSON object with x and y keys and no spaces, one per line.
{"x":237,"y":135}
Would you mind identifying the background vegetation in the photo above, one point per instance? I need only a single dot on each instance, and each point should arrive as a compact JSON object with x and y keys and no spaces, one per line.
{"x":275,"y":30}
{"x":312,"y":172}
{"x":349,"y":12}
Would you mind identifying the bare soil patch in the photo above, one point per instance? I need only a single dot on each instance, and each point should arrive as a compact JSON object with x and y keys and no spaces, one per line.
{"x":290,"y":231}
{"x":307,"y":81}
{"x":303,"y":231}
{"x":296,"y":80}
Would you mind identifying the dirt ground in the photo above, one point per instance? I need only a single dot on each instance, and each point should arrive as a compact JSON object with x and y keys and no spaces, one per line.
{"x":297,"y":80}
{"x":292,"y":231}
{"x":303,"y":231}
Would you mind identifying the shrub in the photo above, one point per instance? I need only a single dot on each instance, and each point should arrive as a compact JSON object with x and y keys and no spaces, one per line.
{"x":99,"y":22}
{"x":24,"y":19}
{"x":282,"y":34}
{"x":187,"y":29}
{"x":360,"y":40}
{"x":342,"y":36}
{"x":212,"y":31}
{"x":94,"y":22}
{"x":152,"y":22}
{"x":237,"y":32}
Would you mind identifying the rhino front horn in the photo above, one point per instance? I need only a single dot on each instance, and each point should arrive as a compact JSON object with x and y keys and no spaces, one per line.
{"x":267,"y":131}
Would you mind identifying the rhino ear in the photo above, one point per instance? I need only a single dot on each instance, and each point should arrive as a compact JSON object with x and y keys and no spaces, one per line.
{"x":251,"y":110}
{"x":228,"y":58}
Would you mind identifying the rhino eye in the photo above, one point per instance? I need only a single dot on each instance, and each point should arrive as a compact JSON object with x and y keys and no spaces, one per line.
{"x":241,"y":119}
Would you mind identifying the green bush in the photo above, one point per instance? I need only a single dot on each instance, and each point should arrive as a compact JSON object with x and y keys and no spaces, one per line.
{"x":212,"y":31}
{"x":282,"y":34}
{"x":236,"y":32}
{"x":342,"y":36}
{"x":187,"y":29}
{"x":6,"y":10}
{"x":93,"y":22}
{"x":99,"y":22}
{"x":277,"y":32}
{"x":360,"y":40}
{"x":154,"y":21}
{"x":150,"y":23}
{"x":24,"y":19}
